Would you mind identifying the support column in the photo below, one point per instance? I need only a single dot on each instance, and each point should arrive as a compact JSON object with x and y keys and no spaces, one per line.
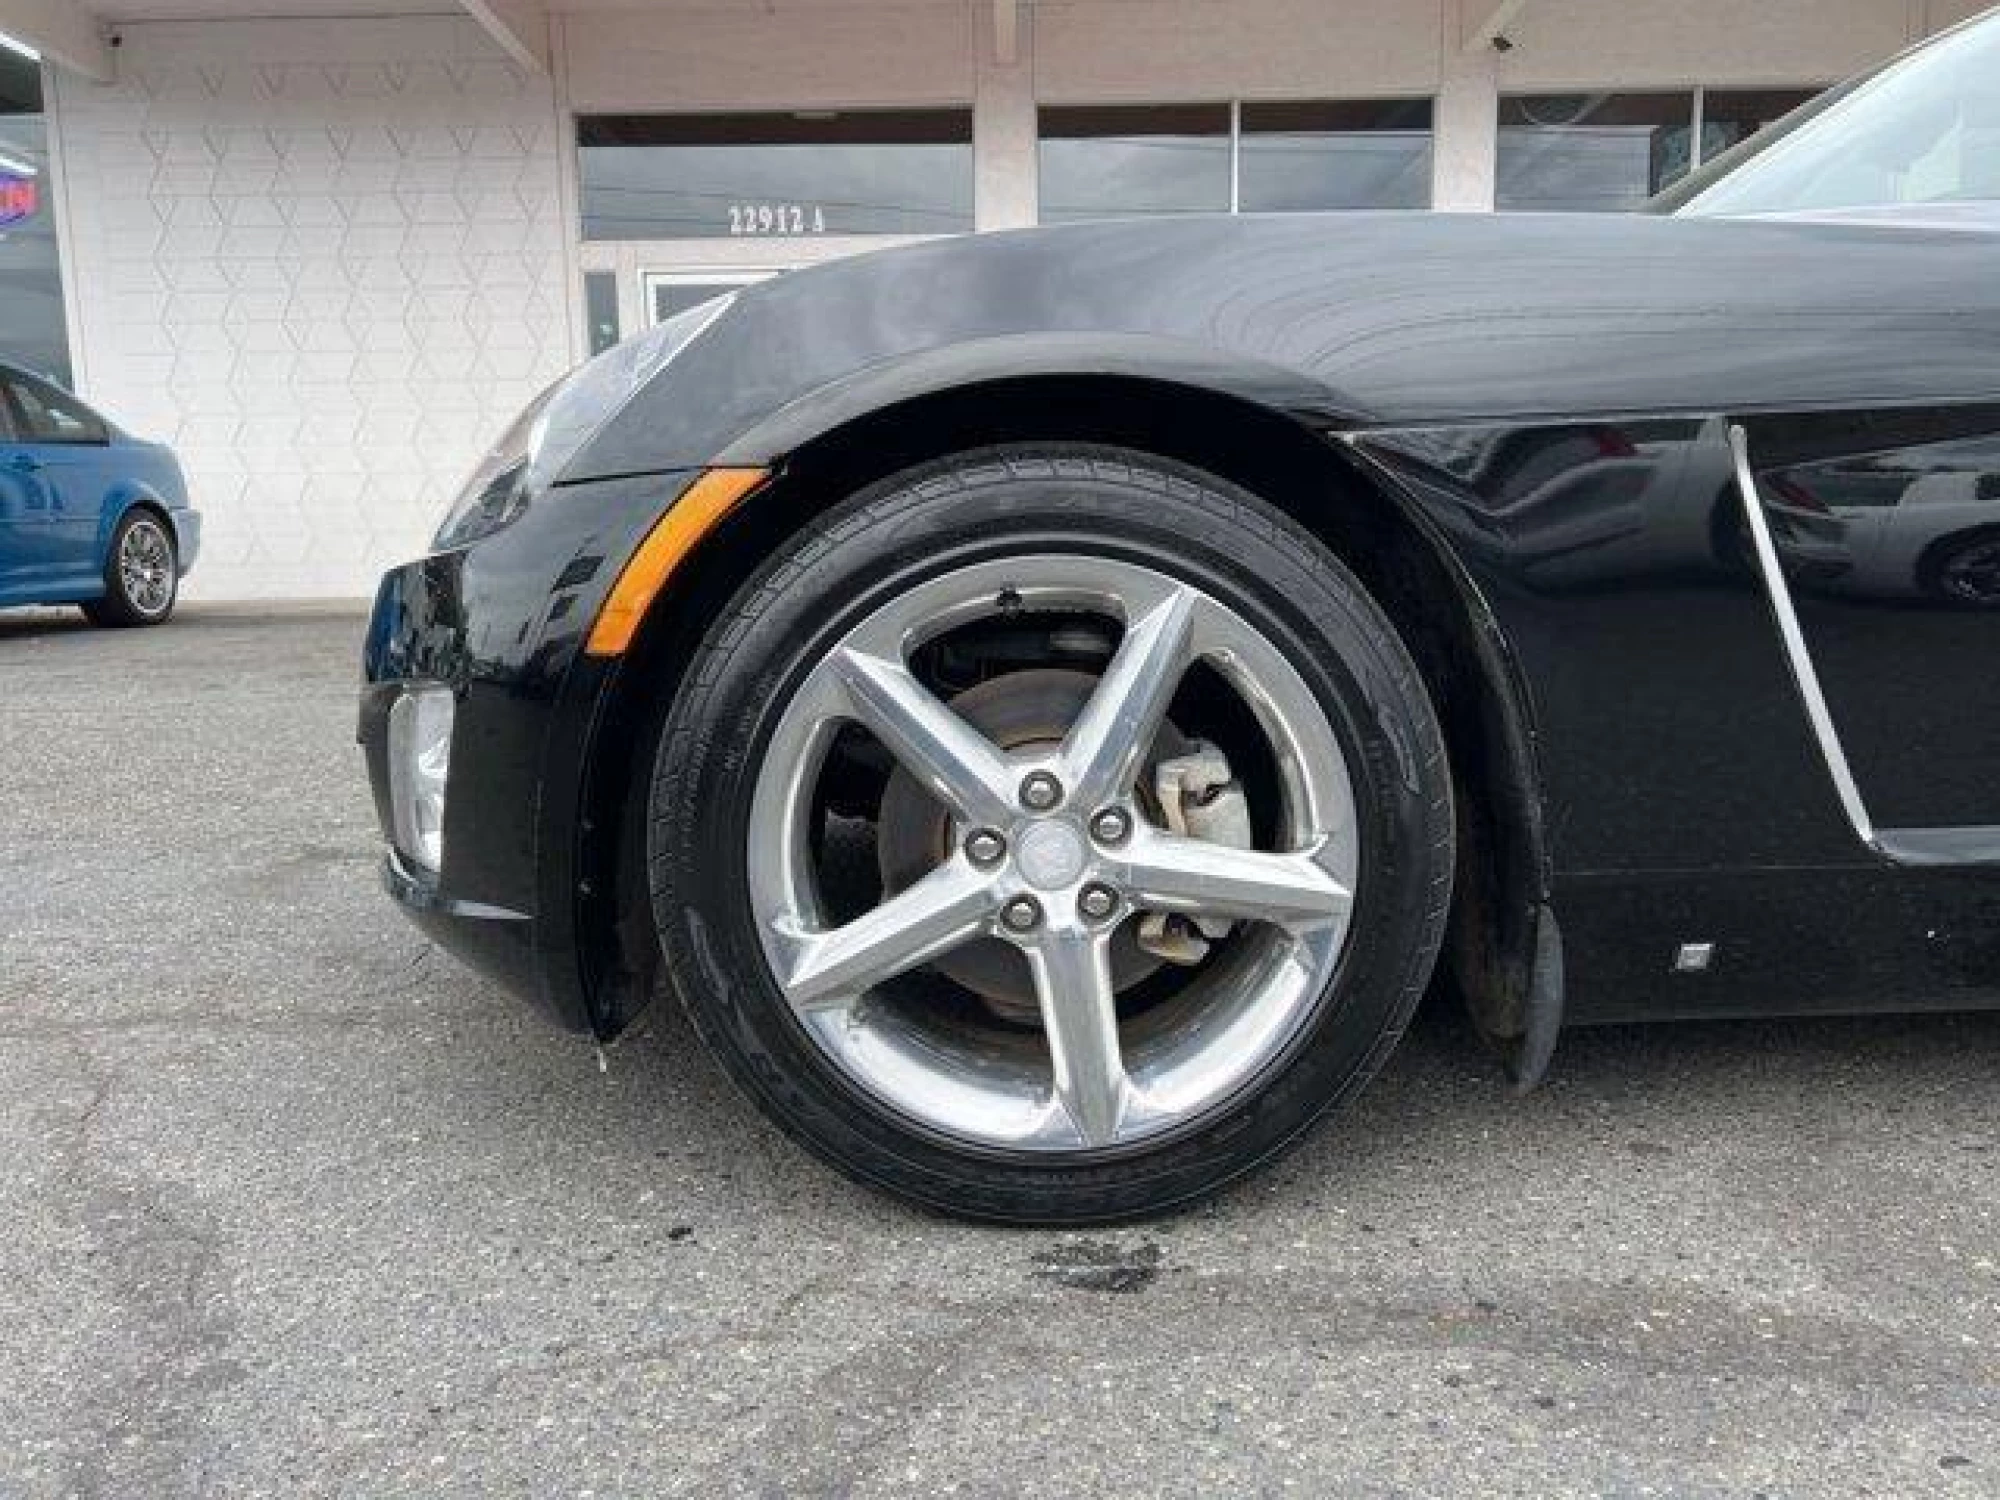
{"x":1004,"y":176}
{"x":1466,"y":122}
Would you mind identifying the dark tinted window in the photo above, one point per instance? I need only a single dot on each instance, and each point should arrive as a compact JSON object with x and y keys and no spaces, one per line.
{"x":769,"y":175}
{"x":600,"y":309}
{"x":1599,"y":151}
{"x":31,"y":298}
{"x":44,"y":414}
{"x":1122,"y":161}
{"x":1729,"y":116}
{"x":1335,"y":154}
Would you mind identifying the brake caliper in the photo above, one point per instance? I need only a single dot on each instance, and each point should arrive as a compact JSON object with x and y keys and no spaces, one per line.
{"x":1199,"y":799}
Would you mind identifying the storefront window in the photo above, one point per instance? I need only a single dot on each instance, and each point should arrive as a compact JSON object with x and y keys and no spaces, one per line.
{"x":1605,"y":152}
{"x":32,"y":331}
{"x":650,"y":177}
{"x":1125,"y":161}
{"x":1356,"y":154}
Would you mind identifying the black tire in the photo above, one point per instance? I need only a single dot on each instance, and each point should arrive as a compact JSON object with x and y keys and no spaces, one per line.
{"x":1934,"y":582}
{"x":126,"y":604}
{"x":994,"y":502}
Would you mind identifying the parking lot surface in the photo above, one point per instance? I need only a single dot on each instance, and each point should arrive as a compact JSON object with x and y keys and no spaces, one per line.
{"x":295,"y":1205}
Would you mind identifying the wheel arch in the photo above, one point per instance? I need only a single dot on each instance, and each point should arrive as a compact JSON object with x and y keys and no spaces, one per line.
{"x":120,"y":503}
{"x":1465,"y":662}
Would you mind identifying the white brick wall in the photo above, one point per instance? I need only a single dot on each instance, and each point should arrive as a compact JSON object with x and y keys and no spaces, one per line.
{"x":326,"y":260}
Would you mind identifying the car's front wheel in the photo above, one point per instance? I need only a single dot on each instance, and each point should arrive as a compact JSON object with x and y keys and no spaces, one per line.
{"x":1051,"y":834}
{"x":141,"y":573}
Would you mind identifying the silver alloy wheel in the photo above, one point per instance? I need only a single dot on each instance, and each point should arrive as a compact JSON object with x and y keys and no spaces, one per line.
{"x":146,"y":567}
{"x":1090,"y":1079}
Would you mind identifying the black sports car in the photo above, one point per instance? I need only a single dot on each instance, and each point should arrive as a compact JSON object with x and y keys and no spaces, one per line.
{"x":1046,"y":701}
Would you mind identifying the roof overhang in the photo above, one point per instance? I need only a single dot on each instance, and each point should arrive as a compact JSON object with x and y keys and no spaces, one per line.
{"x":78,"y":33}
{"x":61,"y":31}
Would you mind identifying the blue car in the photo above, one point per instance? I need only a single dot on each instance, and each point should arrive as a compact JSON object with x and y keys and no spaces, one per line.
{"x":89,"y":515}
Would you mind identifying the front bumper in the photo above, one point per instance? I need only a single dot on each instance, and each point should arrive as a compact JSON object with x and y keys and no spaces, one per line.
{"x":483,"y":905}
{"x":501,"y":623}
{"x":497,"y":942}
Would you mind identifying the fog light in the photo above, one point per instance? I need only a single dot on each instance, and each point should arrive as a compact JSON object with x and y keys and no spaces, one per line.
{"x":419,"y":765}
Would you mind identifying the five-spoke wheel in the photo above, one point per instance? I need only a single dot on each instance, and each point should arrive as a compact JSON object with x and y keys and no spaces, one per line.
{"x":1050,"y":834}
{"x":1052,"y":849}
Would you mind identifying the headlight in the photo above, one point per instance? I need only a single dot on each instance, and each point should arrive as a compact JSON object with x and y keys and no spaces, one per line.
{"x":420,"y":723}
{"x":497,"y":492}
{"x":557,"y":423}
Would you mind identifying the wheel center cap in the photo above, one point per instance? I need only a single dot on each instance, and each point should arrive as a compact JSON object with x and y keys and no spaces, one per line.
{"x":1050,"y":855}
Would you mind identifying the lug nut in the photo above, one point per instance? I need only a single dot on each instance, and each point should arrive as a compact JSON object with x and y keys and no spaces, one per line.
{"x":1022,"y":914}
{"x":1040,"y":791}
{"x":1097,"y":902}
{"x":984,"y":847}
{"x":1111,"y":825}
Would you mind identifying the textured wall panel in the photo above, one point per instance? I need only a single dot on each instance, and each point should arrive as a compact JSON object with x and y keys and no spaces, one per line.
{"x":326,"y":261}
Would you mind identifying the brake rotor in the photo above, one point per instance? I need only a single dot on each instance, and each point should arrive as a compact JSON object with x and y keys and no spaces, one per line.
{"x":1028,"y":710}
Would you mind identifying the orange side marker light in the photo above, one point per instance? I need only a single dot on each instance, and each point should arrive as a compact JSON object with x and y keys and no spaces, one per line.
{"x":673,"y":536}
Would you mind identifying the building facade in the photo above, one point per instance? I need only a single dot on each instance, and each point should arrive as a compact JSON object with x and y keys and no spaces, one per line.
{"x":329,"y":257}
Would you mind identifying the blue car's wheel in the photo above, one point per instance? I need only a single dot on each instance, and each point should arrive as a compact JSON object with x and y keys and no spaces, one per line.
{"x":141,"y":574}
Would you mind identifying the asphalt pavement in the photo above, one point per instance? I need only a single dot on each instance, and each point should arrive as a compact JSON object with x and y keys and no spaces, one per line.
{"x":290,"y":1203}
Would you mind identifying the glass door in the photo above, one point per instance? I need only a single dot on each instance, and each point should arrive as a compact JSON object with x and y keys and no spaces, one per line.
{"x":665,"y":293}
{"x":633,"y":285}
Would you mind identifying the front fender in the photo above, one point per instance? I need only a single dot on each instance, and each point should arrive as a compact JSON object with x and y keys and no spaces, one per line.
{"x":1352,"y":319}
{"x":926,"y":372}
{"x":1195,"y":302}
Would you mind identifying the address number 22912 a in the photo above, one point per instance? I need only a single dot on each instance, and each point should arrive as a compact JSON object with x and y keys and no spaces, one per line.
{"x":777,"y":218}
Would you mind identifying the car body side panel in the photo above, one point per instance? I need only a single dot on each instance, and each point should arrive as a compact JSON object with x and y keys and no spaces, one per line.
{"x":1616,"y":557}
{"x":1670,"y":727}
{"x":71,"y":478}
{"x":1687,"y":799}
{"x":30,"y":541}
{"x":1787,"y":941}
{"x":1887,"y":524}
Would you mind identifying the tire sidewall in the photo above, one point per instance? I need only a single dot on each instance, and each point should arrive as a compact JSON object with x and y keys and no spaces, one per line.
{"x":118,"y":605}
{"x":1939,"y":555}
{"x":920,"y":525}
